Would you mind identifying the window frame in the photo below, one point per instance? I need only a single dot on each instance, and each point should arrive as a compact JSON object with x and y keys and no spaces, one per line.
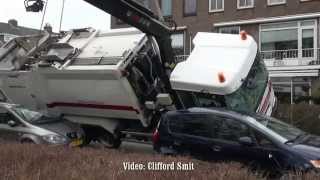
{"x":14,"y":116}
{"x":246,"y":6}
{"x":216,"y":10}
{"x":226,"y":118}
{"x":299,"y":28}
{"x":190,"y":14}
{"x":276,"y":3}
{"x":208,"y":121}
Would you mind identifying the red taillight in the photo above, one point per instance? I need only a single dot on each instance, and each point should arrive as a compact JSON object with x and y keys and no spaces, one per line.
{"x":155,"y":136}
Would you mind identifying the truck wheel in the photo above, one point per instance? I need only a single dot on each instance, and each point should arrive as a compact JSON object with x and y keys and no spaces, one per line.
{"x":86,"y":141}
{"x":109,"y":141}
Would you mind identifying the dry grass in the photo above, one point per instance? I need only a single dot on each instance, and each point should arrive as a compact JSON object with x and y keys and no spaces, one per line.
{"x":33,"y":162}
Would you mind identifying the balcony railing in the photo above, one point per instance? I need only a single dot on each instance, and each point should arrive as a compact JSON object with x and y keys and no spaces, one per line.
{"x":291,"y":57}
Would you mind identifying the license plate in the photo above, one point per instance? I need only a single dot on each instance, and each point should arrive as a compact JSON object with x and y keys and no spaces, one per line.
{"x":76,"y":142}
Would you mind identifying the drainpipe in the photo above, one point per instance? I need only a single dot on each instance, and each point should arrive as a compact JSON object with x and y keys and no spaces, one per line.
{"x":310,"y":91}
{"x":291,"y":93}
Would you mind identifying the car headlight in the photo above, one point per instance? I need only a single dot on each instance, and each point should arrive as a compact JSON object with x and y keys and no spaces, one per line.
{"x":55,"y":139}
{"x":315,"y":163}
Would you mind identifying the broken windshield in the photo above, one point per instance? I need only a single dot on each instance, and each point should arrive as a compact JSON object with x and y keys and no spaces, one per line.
{"x":248,"y":97}
{"x":33,"y":117}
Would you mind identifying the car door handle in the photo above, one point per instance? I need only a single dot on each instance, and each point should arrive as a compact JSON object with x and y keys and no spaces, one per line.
{"x":216,"y":148}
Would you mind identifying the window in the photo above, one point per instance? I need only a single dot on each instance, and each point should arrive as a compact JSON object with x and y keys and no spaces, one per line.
{"x":166,"y":7}
{"x":8,"y":37}
{"x":193,"y":99}
{"x":232,"y":130}
{"x":285,"y":40}
{"x":119,"y":21}
{"x":279,"y":36}
{"x":277,"y":127}
{"x":276,"y":2}
{"x":230,"y":30}
{"x":4,"y":116}
{"x":263,"y":141}
{"x":193,"y":124}
{"x":178,"y":43}
{"x":245,"y":4}
{"x":190,"y":7}
{"x":216,"y":5}
{"x":249,"y":96}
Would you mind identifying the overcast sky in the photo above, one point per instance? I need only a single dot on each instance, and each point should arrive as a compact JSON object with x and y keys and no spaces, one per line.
{"x":77,"y":14}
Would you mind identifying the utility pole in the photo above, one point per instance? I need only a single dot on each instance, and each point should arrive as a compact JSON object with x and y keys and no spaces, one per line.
{"x":61,"y":17}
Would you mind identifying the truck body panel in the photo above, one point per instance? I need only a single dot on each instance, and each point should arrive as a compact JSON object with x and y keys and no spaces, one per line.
{"x":215,"y":55}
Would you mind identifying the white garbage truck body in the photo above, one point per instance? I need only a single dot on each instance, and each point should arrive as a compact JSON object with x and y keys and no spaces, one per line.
{"x":112,"y":79}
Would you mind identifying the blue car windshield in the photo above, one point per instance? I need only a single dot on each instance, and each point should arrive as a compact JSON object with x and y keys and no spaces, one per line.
{"x":283,"y":129}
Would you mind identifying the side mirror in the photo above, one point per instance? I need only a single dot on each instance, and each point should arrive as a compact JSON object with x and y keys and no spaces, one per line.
{"x":12,"y":123}
{"x":246,"y":141}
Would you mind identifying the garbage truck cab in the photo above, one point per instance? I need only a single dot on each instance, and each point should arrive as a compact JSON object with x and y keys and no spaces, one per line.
{"x":224,"y":70}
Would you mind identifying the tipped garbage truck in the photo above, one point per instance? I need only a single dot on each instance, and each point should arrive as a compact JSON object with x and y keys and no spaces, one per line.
{"x":117,"y":83}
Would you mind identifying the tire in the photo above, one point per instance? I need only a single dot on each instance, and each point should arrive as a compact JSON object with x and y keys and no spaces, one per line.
{"x":86,"y":141}
{"x":109,"y":141}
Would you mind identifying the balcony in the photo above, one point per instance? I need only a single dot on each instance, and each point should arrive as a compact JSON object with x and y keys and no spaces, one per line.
{"x":292,"y":62}
{"x":291,"y":57}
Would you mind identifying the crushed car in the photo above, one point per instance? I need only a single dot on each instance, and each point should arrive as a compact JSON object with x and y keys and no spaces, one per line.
{"x":19,"y":124}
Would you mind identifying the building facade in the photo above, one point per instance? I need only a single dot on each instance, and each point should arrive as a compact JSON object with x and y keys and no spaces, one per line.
{"x":287,"y":32}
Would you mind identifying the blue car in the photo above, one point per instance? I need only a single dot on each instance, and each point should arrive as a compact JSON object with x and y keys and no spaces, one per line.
{"x":263,"y":143}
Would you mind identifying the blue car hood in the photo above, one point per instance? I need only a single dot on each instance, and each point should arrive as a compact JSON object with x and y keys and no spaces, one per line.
{"x":309,"y":147}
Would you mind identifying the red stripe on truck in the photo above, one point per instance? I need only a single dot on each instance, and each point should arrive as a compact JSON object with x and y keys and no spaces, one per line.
{"x":92,"y":106}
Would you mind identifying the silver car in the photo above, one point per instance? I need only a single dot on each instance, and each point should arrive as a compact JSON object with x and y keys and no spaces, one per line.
{"x":26,"y":126}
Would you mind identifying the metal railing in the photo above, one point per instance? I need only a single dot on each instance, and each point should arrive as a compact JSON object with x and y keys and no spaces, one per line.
{"x":291,"y":57}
